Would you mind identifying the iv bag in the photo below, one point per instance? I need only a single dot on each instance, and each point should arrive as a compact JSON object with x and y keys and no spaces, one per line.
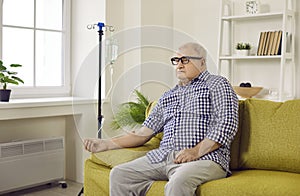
{"x":111,"y":50}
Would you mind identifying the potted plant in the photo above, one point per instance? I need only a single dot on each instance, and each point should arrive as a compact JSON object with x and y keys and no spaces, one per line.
{"x":243,"y":49}
{"x":7,"y":77}
{"x":131,"y":114}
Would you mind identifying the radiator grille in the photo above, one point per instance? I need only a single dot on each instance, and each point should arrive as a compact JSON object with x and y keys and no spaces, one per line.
{"x":11,"y":150}
{"x":54,"y":144}
{"x":30,"y":147}
{"x":33,"y":147}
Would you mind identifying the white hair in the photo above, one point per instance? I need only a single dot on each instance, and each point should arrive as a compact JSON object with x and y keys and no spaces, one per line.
{"x":195,"y":47}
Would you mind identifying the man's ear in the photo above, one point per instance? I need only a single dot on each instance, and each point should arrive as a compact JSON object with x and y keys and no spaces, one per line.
{"x":203,"y":62}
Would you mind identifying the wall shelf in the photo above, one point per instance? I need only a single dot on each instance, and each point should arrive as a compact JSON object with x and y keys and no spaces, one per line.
{"x":248,"y":57}
{"x":253,"y":16}
{"x":232,"y":30}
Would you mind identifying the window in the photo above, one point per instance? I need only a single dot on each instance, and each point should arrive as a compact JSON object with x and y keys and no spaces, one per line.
{"x":34,"y":33}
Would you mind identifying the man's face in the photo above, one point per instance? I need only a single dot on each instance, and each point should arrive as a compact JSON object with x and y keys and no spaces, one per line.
{"x":187,"y":72}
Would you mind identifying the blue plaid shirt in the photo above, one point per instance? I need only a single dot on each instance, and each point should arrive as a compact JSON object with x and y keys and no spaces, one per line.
{"x":205,"y":108}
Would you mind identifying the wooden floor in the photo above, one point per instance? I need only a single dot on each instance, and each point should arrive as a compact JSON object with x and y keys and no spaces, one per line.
{"x":54,"y":189}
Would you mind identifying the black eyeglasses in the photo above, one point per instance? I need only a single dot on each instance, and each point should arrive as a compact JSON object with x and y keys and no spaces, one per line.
{"x":184,"y":59}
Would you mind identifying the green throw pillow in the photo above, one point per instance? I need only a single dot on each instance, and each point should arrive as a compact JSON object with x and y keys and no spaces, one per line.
{"x":271,"y":135}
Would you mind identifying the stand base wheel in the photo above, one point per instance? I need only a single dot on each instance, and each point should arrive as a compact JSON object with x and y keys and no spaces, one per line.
{"x":63,"y":184}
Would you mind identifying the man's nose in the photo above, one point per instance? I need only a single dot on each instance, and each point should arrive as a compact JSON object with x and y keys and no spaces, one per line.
{"x":179,"y":65}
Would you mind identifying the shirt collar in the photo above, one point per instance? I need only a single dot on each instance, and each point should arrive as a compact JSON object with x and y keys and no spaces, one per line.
{"x":202,"y":76}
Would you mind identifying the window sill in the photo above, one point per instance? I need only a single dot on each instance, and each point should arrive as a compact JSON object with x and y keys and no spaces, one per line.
{"x":45,"y":107}
{"x":46,"y":102}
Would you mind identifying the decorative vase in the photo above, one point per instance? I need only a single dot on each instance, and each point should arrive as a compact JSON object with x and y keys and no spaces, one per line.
{"x":5,"y":95}
{"x":242,"y":52}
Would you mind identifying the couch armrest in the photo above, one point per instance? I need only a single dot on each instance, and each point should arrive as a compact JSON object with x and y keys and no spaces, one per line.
{"x":112,"y":158}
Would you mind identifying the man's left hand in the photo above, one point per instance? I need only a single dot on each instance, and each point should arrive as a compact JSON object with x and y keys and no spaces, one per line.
{"x":187,"y":155}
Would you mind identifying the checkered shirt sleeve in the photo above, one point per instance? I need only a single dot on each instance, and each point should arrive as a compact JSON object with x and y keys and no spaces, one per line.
{"x":225,"y":110}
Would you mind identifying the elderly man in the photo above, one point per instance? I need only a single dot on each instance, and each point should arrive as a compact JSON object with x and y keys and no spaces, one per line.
{"x":199,"y":119}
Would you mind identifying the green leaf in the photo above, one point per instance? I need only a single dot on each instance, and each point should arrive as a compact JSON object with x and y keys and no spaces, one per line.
{"x":141,"y":98}
{"x":16,"y":65}
{"x":9,"y":80}
{"x":18,"y":79}
{"x":2,"y":68}
{"x":12,"y":72}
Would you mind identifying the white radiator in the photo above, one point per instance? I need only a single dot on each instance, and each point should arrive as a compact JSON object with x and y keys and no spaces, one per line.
{"x":32,"y":162}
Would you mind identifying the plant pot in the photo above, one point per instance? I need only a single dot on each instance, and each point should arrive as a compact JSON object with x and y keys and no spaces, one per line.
{"x":242,"y":52}
{"x":4,"y":95}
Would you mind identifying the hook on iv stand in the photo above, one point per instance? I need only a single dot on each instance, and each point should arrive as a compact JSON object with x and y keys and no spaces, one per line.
{"x":100,"y":25}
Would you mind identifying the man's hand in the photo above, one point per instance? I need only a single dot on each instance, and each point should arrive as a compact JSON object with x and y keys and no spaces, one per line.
{"x":95,"y":145}
{"x":187,"y":155}
{"x":202,"y":148}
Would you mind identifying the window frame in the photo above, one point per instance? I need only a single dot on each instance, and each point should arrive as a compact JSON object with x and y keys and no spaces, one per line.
{"x":48,"y":91}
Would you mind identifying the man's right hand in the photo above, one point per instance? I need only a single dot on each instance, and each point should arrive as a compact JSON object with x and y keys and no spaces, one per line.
{"x":95,"y":145}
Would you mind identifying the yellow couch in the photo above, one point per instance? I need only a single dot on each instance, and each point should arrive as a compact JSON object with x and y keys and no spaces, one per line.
{"x":265,"y":155}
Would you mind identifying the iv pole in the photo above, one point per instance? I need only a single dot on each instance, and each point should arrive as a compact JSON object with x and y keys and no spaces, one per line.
{"x":101,"y":25}
{"x":100,"y":116}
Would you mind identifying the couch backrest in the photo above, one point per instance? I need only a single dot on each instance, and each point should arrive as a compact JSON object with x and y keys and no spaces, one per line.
{"x":270,"y":135}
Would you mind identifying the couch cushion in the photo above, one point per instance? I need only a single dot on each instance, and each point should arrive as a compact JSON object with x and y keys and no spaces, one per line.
{"x":96,"y":179}
{"x":254,"y":182}
{"x":157,"y":188}
{"x":270,"y":135}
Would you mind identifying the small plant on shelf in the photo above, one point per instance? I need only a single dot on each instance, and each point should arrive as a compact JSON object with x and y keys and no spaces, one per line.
{"x":242,"y":49}
{"x":243,"y":46}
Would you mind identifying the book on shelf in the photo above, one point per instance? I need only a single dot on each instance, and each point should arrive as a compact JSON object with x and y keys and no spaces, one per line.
{"x":276,"y":33}
{"x":269,"y":43}
{"x":263,"y":43}
{"x":260,"y":43}
{"x":278,"y":44}
{"x":272,"y":35}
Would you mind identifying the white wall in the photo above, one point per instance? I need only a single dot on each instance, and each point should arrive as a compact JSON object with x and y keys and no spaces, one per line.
{"x":140,"y":47}
{"x":297,"y":49}
{"x":143,"y":59}
{"x":84,"y":46}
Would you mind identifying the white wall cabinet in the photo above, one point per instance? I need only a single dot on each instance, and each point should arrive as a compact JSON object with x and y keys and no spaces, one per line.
{"x":238,"y":26}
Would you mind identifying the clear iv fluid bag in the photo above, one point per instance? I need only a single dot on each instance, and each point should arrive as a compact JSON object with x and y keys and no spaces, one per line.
{"x":111,"y":50}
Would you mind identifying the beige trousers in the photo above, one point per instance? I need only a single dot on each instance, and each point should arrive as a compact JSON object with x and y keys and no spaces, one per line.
{"x":135,"y":178}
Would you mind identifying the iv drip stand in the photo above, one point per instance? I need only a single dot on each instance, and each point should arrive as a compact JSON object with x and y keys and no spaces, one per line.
{"x":100,"y":116}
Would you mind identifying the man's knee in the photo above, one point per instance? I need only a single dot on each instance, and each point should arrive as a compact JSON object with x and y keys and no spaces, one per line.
{"x":116,"y":174}
{"x":123,"y":173}
{"x":180,"y":186}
